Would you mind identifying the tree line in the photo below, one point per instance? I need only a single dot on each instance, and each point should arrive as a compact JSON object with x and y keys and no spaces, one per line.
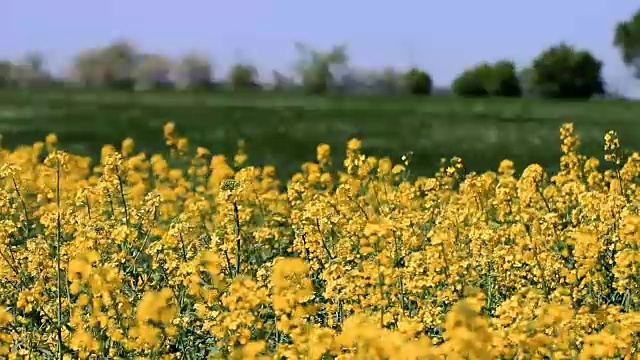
{"x":560,"y":71}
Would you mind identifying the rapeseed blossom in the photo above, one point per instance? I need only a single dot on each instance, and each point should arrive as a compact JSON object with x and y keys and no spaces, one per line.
{"x":186,"y":254}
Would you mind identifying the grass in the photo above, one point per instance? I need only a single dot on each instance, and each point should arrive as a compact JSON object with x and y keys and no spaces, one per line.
{"x":284,"y":130}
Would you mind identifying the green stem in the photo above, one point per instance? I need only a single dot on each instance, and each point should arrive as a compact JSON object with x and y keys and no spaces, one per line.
{"x":236,"y":216}
{"x":124,"y":201}
{"x":24,"y":205}
{"x":58,"y":262}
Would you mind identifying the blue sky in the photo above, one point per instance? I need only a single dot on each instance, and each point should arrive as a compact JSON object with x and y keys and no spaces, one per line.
{"x":443,"y":37}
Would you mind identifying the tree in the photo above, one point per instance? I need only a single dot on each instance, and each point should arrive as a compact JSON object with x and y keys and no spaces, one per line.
{"x":30,"y":71}
{"x":113,"y":66}
{"x":319,"y":70}
{"x":5,"y":73}
{"x":627,"y":39}
{"x":525,"y":78}
{"x":562,"y":71}
{"x":89,"y":68}
{"x":152,"y":71}
{"x":391,"y":81}
{"x":194,"y":71}
{"x":35,"y":62}
{"x":243,"y":76}
{"x":485,"y":79}
{"x":356,"y":81}
{"x":473,"y":82}
{"x":120,"y":59}
{"x":282,"y":82}
{"x":504,"y":80}
{"x":418,"y":82}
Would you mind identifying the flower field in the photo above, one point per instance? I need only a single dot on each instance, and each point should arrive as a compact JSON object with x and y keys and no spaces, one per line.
{"x":188,"y":255}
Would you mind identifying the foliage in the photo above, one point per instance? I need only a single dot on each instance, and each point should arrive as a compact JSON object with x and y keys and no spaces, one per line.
{"x":562,"y":71}
{"x":5,"y":73}
{"x":498,"y":79}
{"x":112,"y":66}
{"x":391,"y":81}
{"x":120,"y":65}
{"x":28,"y":71}
{"x":627,"y":40}
{"x":361,"y":81}
{"x":88,"y":68}
{"x":120,"y":59}
{"x":152,"y":71}
{"x":188,"y":254}
{"x":243,"y":76}
{"x":505,"y":81}
{"x":472,"y":82}
{"x":525,"y":79}
{"x":282,"y":82}
{"x":194,"y":71}
{"x":418,"y":82}
{"x":318,"y":69}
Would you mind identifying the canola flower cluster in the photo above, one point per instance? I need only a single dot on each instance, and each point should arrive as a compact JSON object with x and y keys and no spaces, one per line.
{"x":188,"y":255}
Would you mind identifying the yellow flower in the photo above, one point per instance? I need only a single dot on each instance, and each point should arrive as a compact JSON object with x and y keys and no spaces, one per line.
{"x":169,"y":129}
{"x":354,"y":145}
{"x":127,"y":146}
{"x":202,"y":152}
{"x":51,"y":140}
{"x":183,"y":144}
{"x":5,"y":316}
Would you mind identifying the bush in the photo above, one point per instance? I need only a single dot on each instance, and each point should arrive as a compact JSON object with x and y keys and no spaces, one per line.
{"x":561,"y":71}
{"x":418,"y":82}
{"x":499,"y":79}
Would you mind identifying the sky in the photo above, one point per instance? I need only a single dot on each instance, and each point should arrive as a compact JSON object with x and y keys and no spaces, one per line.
{"x":443,"y":37}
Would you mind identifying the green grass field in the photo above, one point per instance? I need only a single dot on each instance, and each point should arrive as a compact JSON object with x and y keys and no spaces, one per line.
{"x":284,"y":130}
